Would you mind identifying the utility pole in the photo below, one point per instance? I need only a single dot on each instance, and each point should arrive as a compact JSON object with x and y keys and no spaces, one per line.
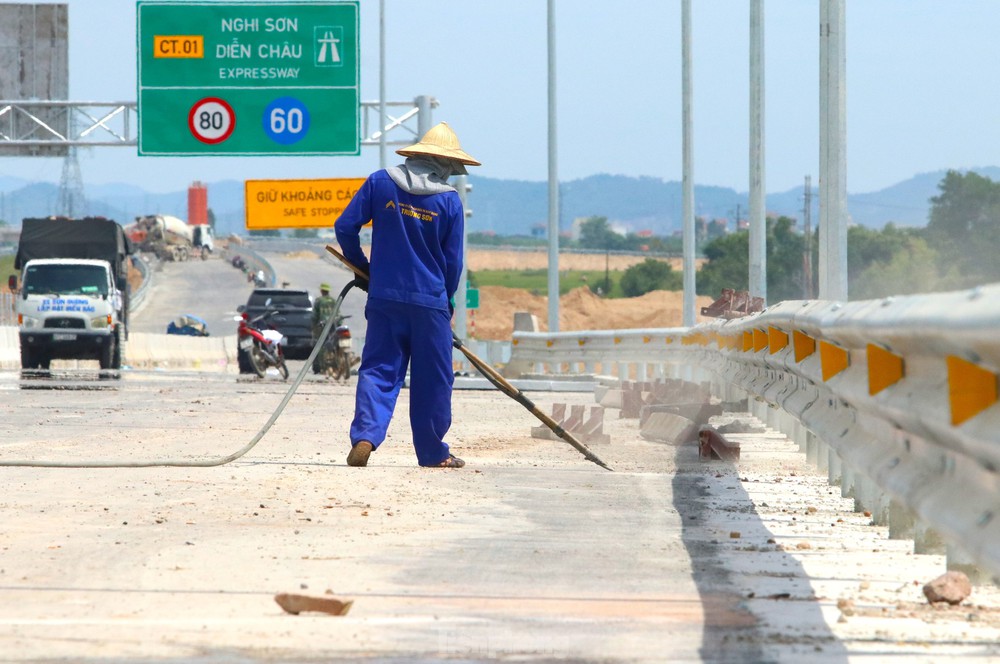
{"x":833,"y":152}
{"x":758,"y":211}
{"x":807,"y":256}
{"x":381,"y":86}
{"x":687,"y":157}
{"x":553,"y":276}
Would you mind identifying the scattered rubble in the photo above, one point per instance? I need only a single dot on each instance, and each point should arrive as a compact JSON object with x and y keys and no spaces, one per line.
{"x":951,"y":587}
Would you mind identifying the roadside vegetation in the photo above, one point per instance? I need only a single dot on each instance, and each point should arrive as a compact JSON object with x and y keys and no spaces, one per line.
{"x":6,"y":269}
{"x":957,"y":249}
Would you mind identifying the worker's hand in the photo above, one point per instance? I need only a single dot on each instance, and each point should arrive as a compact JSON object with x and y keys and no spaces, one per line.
{"x":451,"y":306}
{"x":361,"y":283}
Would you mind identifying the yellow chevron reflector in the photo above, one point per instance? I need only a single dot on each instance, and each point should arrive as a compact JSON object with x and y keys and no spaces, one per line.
{"x":759,"y":340}
{"x":971,"y":389}
{"x":832,"y":359}
{"x":884,"y":369}
{"x":747,"y":341}
{"x":804,"y":345}
{"x":776,"y":339}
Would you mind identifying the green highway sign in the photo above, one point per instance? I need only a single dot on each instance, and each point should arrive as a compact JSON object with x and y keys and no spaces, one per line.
{"x":471,"y":298}
{"x":248,"y":78}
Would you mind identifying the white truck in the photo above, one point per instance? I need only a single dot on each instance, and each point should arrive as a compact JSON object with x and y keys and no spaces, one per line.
{"x":72,"y":300}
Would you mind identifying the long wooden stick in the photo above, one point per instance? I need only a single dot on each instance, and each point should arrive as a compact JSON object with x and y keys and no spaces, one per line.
{"x":498,"y":381}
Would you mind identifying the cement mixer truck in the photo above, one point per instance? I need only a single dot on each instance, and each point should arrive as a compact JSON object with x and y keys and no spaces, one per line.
{"x":169,"y":237}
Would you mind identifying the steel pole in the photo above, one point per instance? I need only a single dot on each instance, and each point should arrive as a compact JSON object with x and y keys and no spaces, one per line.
{"x":553,"y":275}
{"x":833,"y":152}
{"x":381,"y":85}
{"x":838,"y":146}
{"x":461,"y":313}
{"x":758,"y":213}
{"x":424,"y":106}
{"x":688,"y":165}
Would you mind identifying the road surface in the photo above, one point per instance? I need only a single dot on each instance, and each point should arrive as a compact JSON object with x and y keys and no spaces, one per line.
{"x":529,"y":553}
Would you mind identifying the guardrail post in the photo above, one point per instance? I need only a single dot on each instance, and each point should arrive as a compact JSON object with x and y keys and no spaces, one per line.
{"x":822,"y":455}
{"x":812,"y":445}
{"x":873,"y":500}
{"x":926,"y":540}
{"x":800,"y":436}
{"x":957,"y":560}
{"x":835,"y":470}
{"x":901,"y":521}
{"x":846,"y":481}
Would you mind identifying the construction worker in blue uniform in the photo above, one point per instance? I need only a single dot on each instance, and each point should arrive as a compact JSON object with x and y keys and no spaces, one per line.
{"x":416,"y":261}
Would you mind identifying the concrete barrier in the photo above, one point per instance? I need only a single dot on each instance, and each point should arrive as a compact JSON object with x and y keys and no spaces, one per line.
{"x":172,"y":351}
{"x":150,"y":351}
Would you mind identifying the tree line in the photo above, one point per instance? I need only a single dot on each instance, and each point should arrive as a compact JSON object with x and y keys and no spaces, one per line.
{"x":957,"y":249}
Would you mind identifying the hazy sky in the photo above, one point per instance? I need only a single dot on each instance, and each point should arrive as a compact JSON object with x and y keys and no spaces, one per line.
{"x":921,"y":90}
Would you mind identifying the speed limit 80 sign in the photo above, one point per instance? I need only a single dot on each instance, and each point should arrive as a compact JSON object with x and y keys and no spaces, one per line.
{"x":211,"y":120}
{"x":238,"y":78}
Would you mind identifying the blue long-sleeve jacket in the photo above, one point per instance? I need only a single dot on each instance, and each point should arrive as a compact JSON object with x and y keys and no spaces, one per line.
{"x":416,"y":252}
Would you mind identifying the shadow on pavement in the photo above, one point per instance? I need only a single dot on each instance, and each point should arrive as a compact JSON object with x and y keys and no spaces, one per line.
{"x":749,"y":594}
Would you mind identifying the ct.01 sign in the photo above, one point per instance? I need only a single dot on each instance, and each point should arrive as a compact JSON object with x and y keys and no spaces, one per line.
{"x":272,"y":204}
{"x":248,"y":78}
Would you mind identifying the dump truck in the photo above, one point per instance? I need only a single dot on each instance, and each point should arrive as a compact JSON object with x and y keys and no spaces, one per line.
{"x":72,"y":294}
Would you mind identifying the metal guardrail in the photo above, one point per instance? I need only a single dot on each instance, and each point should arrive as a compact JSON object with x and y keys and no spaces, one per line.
{"x":253,"y":263}
{"x":137,"y":299}
{"x":903,"y":390}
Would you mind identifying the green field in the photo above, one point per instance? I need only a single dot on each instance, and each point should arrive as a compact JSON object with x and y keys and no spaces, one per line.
{"x":6,"y":268}
{"x":536,"y":281}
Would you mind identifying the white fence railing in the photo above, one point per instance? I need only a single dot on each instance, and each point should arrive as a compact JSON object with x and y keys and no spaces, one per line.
{"x":903,"y":390}
{"x":7,"y":316}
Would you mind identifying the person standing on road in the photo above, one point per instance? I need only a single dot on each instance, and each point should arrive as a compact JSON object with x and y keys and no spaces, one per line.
{"x":323,"y":308}
{"x":416,"y":261}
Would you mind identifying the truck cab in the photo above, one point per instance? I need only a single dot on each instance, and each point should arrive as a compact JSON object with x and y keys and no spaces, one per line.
{"x":70,"y":309}
{"x":203,"y":241}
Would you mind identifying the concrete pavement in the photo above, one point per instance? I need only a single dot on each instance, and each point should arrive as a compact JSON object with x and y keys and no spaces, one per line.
{"x":529,"y":553}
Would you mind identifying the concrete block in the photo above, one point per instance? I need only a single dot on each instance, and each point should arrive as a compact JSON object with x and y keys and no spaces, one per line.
{"x":669,"y":428}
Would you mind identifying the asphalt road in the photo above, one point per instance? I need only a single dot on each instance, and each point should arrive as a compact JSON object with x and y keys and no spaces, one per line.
{"x":213,"y":288}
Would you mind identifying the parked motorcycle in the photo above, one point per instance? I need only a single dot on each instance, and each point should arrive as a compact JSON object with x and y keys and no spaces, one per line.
{"x":336,"y":357}
{"x":258,"y":346}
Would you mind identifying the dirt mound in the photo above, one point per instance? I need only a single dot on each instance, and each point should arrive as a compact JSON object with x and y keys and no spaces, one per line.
{"x":579,"y":309}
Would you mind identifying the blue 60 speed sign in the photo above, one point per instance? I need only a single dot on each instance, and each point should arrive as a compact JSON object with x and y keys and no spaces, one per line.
{"x":211,"y":120}
{"x":286,"y":120}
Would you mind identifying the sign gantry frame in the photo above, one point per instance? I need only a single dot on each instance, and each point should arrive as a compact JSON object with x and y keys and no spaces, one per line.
{"x":113,"y":124}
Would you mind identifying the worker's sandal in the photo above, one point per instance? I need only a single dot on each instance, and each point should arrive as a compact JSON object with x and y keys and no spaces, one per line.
{"x":451,"y":462}
{"x":359,"y":454}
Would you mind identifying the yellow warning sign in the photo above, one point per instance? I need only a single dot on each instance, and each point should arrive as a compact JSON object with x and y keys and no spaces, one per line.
{"x":276,"y":204}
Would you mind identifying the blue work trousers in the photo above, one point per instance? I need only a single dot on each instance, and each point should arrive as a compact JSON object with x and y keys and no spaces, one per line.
{"x":399,"y":335}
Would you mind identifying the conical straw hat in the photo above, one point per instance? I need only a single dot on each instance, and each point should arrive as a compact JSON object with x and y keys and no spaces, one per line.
{"x":439,"y":141}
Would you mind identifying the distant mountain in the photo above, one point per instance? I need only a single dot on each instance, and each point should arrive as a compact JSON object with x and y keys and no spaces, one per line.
{"x":516,"y":207}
